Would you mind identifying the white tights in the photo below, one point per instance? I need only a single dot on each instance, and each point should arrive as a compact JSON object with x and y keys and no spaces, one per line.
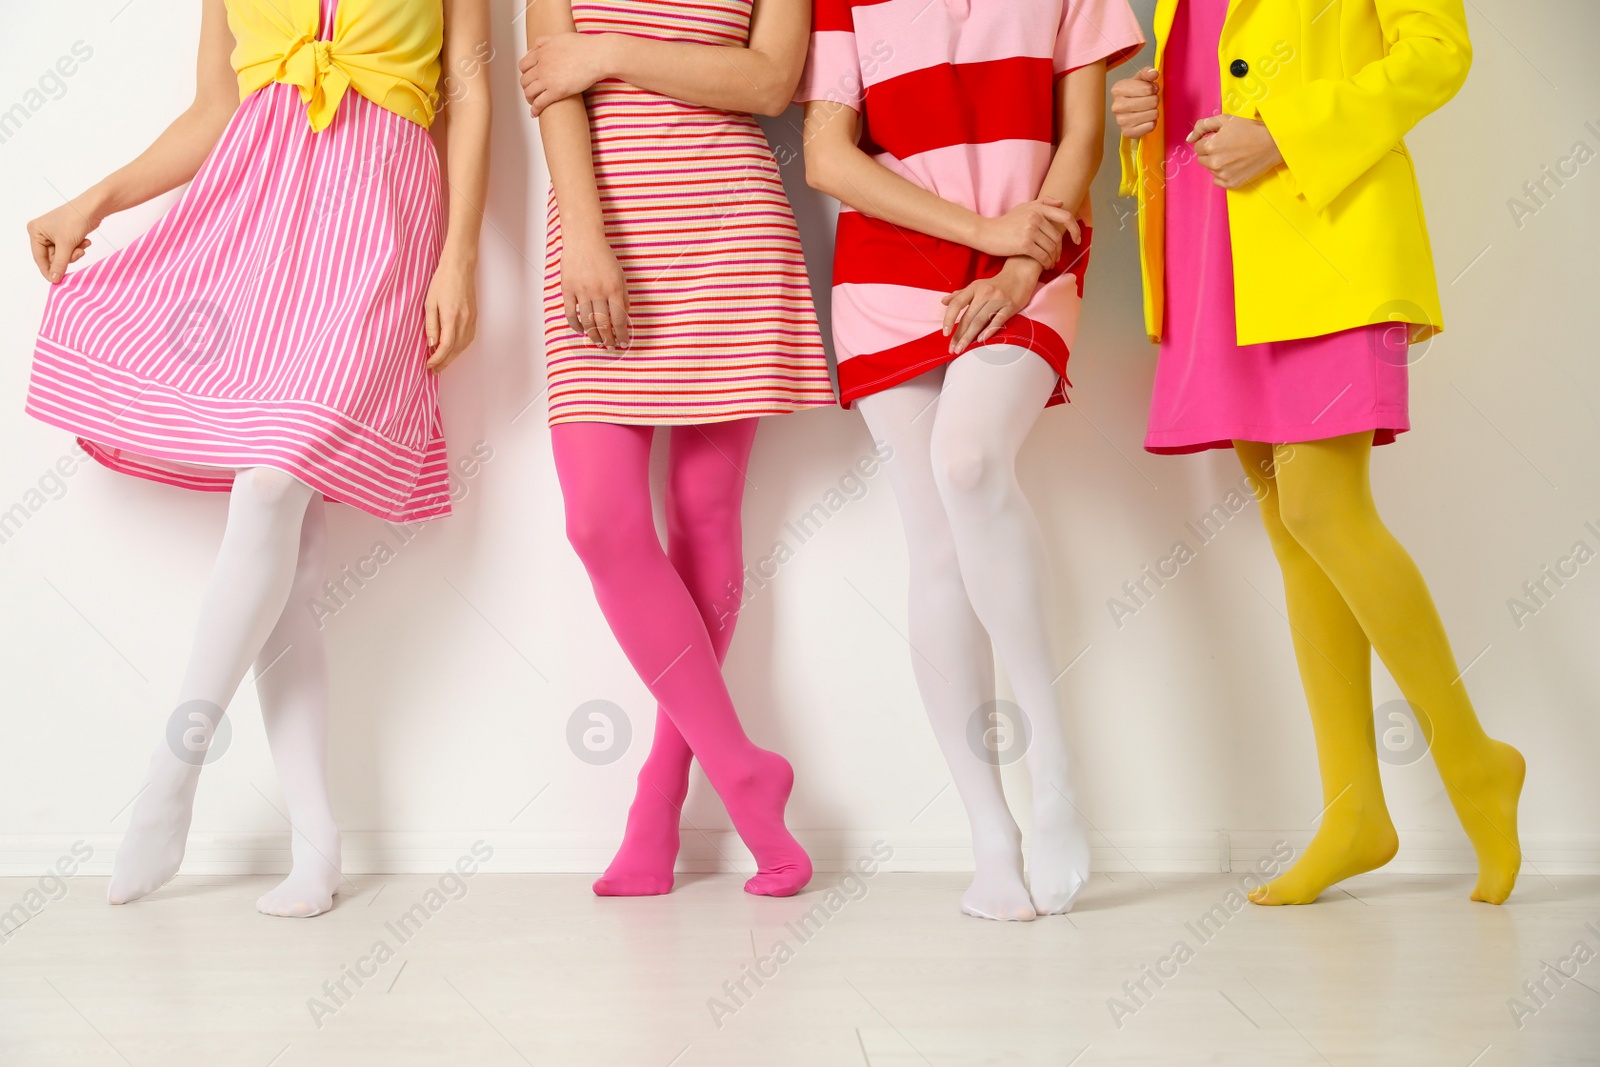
{"x":270,"y":564}
{"x":980,"y":574}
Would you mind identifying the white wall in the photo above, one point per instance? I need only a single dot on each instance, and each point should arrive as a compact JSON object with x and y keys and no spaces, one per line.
{"x":456,"y":669}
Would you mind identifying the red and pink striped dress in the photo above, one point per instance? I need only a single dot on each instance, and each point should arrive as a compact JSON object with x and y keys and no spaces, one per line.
{"x":272,"y":318}
{"x":956,"y":96}
{"x":723,"y":322}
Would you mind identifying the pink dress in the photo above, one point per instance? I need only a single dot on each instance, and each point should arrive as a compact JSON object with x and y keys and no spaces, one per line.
{"x":1210,"y":391}
{"x":273,"y":317}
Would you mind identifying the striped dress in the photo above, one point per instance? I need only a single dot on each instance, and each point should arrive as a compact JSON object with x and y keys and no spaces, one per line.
{"x":272,"y":318}
{"x":723,"y":322}
{"x":956,"y":96}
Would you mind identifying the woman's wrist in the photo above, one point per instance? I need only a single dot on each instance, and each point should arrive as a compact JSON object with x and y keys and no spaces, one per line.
{"x":459,"y":254}
{"x":972,"y":227}
{"x":584,"y":238}
{"x":1025,"y":268}
{"x":605,"y":50}
{"x":96,"y":202}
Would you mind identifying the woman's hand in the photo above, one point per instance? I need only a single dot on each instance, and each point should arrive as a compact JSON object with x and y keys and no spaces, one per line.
{"x":451,"y":311}
{"x":1032,"y":229}
{"x":559,"y":65}
{"x":1236,"y":151}
{"x":595,"y":294}
{"x":59,"y":239}
{"x":1136,"y":103}
{"x":976,"y":313}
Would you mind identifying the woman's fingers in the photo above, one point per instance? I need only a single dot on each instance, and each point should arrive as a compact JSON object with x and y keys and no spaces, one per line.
{"x":40,"y":246}
{"x":1058,"y":215}
{"x":602,"y":325}
{"x":1047,"y":245}
{"x":1209,"y":124}
{"x":954,"y":304}
{"x":976,"y":320}
{"x":430,"y":323}
{"x":571,"y":303}
{"x":586,"y":322}
{"x":1049,"y":250}
{"x":993,"y":328}
{"x":447,"y":341}
{"x":621,"y":326}
{"x":545,"y":98}
{"x":1076,"y":231}
{"x":60,"y":257}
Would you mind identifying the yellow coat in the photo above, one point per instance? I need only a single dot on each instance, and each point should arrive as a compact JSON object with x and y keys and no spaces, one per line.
{"x":386,"y":50}
{"x":1335,"y":238}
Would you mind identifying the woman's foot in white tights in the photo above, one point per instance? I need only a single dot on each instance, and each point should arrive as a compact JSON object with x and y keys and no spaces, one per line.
{"x":292,"y":682}
{"x":980,"y":582}
{"x":268,"y":526}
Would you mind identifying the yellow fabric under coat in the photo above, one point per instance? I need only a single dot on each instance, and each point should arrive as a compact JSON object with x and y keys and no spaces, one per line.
{"x":386,"y":50}
{"x":1335,"y":238}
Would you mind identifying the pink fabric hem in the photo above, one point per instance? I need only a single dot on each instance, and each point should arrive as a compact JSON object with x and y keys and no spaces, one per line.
{"x":149,"y":430}
{"x":1184,"y":442}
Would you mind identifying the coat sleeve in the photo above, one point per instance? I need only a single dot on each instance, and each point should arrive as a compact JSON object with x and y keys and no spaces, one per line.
{"x":1331,"y":131}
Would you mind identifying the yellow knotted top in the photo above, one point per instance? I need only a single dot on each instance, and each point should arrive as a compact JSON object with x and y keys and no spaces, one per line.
{"x":386,"y":50}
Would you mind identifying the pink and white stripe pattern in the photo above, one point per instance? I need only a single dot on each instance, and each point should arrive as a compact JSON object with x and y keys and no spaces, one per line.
{"x":274,"y":317}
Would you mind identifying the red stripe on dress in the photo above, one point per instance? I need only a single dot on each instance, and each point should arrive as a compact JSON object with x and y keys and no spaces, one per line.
{"x":872,"y":372}
{"x":964,"y":103}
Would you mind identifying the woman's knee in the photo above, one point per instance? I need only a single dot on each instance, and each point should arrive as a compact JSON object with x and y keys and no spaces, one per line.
{"x":702,"y":508}
{"x":971,"y":471}
{"x":272,"y":490}
{"x":1284,"y":545}
{"x":1321,"y":516}
{"x":602,"y":533}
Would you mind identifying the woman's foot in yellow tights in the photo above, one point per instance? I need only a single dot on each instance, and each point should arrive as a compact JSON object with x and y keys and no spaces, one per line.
{"x":1351,"y":587}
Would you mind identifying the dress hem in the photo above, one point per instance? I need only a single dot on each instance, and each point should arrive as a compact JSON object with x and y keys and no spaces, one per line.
{"x":690,"y":419}
{"x":1178,"y":442}
{"x":69,"y":391}
{"x":853,"y":388}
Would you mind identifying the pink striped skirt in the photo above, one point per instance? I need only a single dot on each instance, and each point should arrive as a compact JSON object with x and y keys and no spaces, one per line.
{"x":272,"y":318}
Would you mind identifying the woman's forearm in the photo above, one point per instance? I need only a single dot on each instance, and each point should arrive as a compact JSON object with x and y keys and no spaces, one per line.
{"x":569,"y":153}
{"x":747,"y":80}
{"x":1080,"y":115}
{"x":176,"y":156}
{"x":1076,"y":162}
{"x":849,"y":175}
{"x":171,"y":160}
{"x":568,"y":145}
{"x":465,"y":115}
{"x":467,"y":165}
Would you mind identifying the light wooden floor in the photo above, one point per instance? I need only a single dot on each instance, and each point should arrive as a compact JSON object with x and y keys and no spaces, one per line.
{"x":526,"y":969}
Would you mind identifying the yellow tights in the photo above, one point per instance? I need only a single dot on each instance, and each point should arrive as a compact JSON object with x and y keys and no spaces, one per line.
{"x":1352,"y":588}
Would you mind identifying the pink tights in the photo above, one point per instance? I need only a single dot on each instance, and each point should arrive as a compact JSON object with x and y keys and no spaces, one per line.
{"x":673,"y":613}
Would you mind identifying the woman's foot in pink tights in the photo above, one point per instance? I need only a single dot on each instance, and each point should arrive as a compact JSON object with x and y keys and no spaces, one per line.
{"x":756,"y":804}
{"x":643,"y":865}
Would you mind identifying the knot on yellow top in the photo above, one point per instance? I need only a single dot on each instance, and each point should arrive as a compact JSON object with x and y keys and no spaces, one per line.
{"x":311,"y":65}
